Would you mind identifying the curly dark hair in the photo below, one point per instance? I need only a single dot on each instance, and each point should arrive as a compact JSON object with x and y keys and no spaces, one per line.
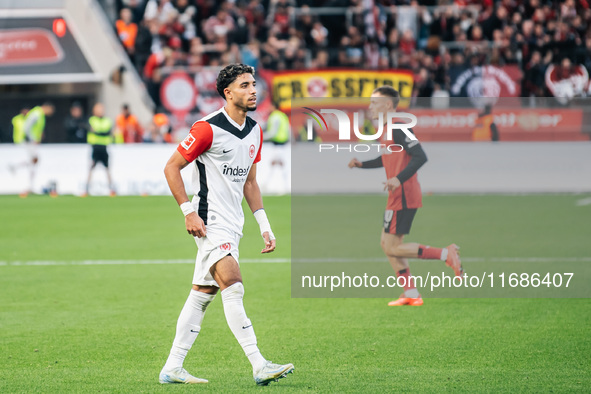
{"x":229,"y":75}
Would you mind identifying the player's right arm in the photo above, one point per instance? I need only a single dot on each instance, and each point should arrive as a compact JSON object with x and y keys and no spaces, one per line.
{"x":172,"y":171}
{"x":375,"y":163}
{"x":198,"y":141}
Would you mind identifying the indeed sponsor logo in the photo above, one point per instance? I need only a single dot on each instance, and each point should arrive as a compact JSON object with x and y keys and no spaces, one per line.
{"x":234,"y":171}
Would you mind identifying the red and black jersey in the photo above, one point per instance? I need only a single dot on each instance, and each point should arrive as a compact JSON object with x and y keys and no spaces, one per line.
{"x":403,"y":165}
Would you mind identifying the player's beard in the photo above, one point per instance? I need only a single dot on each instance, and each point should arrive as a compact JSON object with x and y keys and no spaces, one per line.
{"x":252,"y":107}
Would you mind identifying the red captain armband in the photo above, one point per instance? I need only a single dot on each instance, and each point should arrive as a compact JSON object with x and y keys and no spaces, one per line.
{"x":198,"y":141}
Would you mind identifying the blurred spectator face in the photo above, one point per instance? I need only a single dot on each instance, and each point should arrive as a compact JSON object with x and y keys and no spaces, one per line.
{"x":305,"y":17}
{"x":476,"y":33}
{"x":98,"y":110}
{"x":566,"y":63}
{"x":516,"y":18}
{"x":125,"y":15}
{"x":577,"y":22}
{"x":502,"y":13}
{"x":536,"y":57}
{"x":527,"y":27}
{"x":76,"y":111}
{"x":539,"y":15}
{"x":538,"y":30}
{"x":497,"y":36}
{"x":423,"y":74}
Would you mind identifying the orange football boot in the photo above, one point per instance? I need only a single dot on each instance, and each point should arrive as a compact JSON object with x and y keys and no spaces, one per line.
{"x":406,"y":301}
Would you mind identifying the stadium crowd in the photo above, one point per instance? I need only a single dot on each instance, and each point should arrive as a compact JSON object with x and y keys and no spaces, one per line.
{"x":429,"y":37}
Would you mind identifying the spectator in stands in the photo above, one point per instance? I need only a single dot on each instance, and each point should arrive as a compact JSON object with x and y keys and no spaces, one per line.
{"x":76,"y":124}
{"x":127,"y":31}
{"x":488,"y":32}
{"x":217,"y":28}
{"x":143,"y":45}
{"x":128,"y":127}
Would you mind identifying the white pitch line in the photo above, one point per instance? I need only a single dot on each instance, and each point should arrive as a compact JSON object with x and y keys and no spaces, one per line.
{"x":286,"y":260}
{"x":124,"y":262}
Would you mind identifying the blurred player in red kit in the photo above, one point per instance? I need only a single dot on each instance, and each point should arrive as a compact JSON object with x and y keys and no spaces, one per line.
{"x":404,"y":198}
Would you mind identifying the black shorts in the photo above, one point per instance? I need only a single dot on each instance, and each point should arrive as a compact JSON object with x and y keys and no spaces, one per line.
{"x":399,"y":222}
{"x":100,"y":155}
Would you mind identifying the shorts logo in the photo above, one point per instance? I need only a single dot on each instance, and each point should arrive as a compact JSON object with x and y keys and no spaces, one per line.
{"x":251,"y":151}
{"x":187,"y":142}
{"x":225,"y":247}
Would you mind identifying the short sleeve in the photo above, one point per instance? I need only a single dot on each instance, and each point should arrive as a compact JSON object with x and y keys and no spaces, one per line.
{"x":258,"y":156}
{"x":198,"y":141}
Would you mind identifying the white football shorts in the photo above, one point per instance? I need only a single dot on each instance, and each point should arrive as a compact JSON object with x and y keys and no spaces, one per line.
{"x":217,"y":244}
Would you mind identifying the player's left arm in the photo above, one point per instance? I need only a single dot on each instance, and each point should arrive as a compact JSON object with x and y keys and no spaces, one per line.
{"x":252,"y":193}
{"x":417,"y":159}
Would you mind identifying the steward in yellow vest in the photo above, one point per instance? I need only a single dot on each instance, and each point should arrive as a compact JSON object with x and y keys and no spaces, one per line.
{"x":277,"y":127}
{"x":99,"y":137}
{"x":18,"y":126}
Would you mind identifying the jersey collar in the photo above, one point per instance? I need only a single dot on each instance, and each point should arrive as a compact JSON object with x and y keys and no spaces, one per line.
{"x":239,"y":127}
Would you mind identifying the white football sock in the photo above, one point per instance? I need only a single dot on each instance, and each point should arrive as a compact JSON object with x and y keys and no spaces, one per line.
{"x":187,"y":327}
{"x":412,"y":293}
{"x":444,"y":253}
{"x":240,"y":324}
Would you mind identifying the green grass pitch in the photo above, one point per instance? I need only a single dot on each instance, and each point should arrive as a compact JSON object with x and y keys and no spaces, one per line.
{"x":108,"y":328}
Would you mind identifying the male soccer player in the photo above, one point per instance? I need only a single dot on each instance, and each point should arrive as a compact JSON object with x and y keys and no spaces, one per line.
{"x":404,"y":198}
{"x":223,"y":149}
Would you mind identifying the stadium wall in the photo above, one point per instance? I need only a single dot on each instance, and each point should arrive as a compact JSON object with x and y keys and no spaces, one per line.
{"x":452,"y":168}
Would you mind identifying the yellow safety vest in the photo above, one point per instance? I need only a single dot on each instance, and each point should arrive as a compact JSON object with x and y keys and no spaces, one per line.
{"x":100,"y":131}
{"x":18,"y":127}
{"x":282,"y":135}
{"x":39,"y":126}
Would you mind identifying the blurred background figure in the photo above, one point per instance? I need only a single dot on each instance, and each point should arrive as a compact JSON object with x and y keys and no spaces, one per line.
{"x":486,"y":129}
{"x":28,"y":130}
{"x":278,"y":131}
{"x":18,"y":126}
{"x":76,"y":124}
{"x":127,"y":31}
{"x":100,"y":137}
{"x":129,"y":129}
{"x":160,"y":129}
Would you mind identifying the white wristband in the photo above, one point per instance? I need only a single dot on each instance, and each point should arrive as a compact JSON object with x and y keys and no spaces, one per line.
{"x":187,"y":208}
{"x":261,"y":216}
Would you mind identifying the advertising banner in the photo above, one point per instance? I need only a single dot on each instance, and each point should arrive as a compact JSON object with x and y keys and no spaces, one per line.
{"x":485,"y":84}
{"x":538,"y":124}
{"x":337,"y":83}
{"x":41,"y":50}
